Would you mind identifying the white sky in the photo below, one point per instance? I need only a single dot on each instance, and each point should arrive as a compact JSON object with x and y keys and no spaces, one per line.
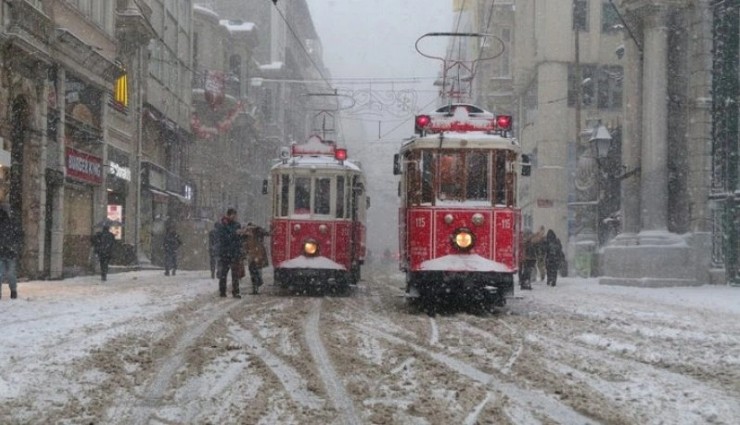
{"x":375,"y":39}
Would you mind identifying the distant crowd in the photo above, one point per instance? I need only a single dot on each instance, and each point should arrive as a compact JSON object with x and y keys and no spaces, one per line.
{"x":542,"y":253}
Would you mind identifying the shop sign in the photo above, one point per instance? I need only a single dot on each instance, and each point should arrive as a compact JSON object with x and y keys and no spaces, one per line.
{"x":115,"y":215}
{"x":156,"y":179}
{"x":83,"y":166}
{"x":117,"y":170}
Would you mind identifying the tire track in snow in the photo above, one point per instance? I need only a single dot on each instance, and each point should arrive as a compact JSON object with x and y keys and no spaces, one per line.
{"x":152,"y":396}
{"x":334,"y":387}
{"x":434,"y":337}
{"x":291,"y":380}
{"x":517,"y":350}
{"x":472,"y":418}
{"x":535,"y":400}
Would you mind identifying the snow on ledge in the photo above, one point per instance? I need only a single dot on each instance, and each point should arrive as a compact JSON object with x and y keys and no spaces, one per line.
{"x":303,"y":262}
{"x":464,"y":263}
{"x":237,"y":26}
{"x":272,"y":66}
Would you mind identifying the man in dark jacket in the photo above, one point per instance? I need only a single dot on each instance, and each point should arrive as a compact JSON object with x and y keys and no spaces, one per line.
{"x":103,"y":245}
{"x":171,"y":244}
{"x":554,"y":257}
{"x":230,"y":253}
{"x":11,"y":241}
{"x":213,"y":236}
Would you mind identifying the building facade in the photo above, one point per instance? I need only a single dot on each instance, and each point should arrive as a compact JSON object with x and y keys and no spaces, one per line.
{"x":224,"y":121}
{"x":68,"y":127}
{"x":288,"y":69}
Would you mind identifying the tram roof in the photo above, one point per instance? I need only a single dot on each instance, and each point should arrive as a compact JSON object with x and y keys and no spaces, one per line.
{"x":457,"y":140}
{"x":317,"y":162}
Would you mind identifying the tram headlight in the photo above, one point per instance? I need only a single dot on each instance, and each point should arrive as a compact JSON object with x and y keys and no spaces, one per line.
{"x":463,"y":239}
{"x":311,"y":248}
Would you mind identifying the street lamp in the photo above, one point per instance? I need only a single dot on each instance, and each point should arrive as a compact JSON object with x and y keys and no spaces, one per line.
{"x":601,"y":140}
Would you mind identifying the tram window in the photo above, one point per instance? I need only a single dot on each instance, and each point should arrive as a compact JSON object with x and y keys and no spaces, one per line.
{"x":450,"y":176}
{"x":340,"y":197}
{"x":302,"y":201}
{"x":511,"y":181}
{"x":284,"y":194}
{"x":477,"y":172}
{"x":499,"y":182}
{"x":427,"y":178}
{"x":322,"y":196}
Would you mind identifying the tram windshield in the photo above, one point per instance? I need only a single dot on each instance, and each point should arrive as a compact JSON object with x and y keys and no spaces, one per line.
{"x":301,"y":195}
{"x":473,"y":177}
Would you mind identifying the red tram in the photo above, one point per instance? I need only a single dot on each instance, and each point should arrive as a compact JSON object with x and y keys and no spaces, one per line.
{"x":318,"y":217}
{"x":458,"y":221}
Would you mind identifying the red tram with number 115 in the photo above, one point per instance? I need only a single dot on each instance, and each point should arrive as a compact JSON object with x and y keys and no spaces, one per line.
{"x":459,"y":223}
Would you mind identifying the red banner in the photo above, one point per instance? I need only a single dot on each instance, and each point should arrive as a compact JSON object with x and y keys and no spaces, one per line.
{"x":83,"y":166}
{"x":214,"y":87}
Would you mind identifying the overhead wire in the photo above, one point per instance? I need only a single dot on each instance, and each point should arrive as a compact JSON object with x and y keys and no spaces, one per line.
{"x":405,"y":120}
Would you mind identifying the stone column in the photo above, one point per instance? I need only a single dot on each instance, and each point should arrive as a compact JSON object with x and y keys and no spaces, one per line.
{"x":631,"y":142}
{"x":100,"y":195}
{"x":653,"y":256}
{"x":654,"y":171}
{"x":56,"y":268}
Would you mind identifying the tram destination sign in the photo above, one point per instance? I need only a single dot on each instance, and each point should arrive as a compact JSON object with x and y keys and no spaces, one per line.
{"x":83,"y":166}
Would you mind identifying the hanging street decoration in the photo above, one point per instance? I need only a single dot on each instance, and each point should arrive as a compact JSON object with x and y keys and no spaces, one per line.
{"x":223,"y":126}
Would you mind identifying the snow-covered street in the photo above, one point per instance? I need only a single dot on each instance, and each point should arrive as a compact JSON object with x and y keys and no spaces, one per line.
{"x":147,"y":349}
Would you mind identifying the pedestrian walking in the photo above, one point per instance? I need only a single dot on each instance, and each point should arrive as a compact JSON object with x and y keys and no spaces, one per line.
{"x":213,"y":249}
{"x":538,"y":244}
{"x":554,"y":257}
{"x":172,"y":245}
{"x":230,"y":255}
{"x":528,"y":261}
{"x":254,"y":242}
{"x":102,"y":242}
{"x":11,"y":242}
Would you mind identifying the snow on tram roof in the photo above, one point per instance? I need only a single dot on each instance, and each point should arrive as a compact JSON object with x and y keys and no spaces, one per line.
{"x":315,"y":153}
{"x":317,"y":161}
{"x":468,"y":140}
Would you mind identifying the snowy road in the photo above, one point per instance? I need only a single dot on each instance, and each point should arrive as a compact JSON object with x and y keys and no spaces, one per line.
{"x":145,"y":349}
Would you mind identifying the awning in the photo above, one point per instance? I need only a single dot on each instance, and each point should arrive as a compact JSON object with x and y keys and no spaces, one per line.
{"x":158,"y":195}
{"x":179,"y":197}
